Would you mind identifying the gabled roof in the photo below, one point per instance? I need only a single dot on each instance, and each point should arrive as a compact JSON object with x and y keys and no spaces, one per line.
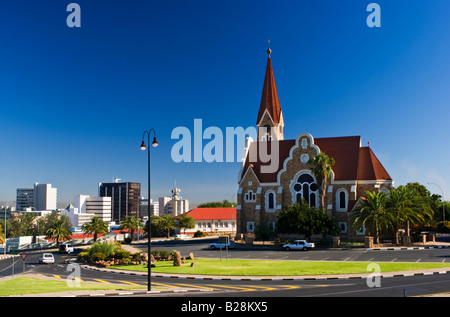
{"x":352,"y":162}
{"x":222,"y":213}
{"x":269,"y":98}
{"x":369,"y":167}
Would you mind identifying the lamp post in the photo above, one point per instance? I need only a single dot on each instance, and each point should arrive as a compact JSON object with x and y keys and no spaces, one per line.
{"x":143,"y":148}
{"x":443,"y":205}
{"x":4,"y":249}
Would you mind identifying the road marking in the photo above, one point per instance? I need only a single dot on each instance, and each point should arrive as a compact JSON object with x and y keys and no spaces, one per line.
{"x":126,"y":282}
{"x":346,"y":259}
{"x":394,"y":260}
{"x":197,"y":286}
{"x":418,"y":260}
{"x":57,"y":276}
{"x":325,"y":258}
{"x":235,"y":287}
{"x":443,"y":260}
{"x":265,"y":288}
{"x":166,"y":285}
{"x":101,"y":281}
{"x":371,"y":259}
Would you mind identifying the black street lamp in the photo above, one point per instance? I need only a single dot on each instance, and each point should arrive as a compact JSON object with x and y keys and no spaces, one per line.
{"x":143,"y":148}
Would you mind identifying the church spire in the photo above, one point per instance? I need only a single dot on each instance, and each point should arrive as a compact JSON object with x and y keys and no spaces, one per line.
{"x":270,"y":114}
{"x":269,"y":99}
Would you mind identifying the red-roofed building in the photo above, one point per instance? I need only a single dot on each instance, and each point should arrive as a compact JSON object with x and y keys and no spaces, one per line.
{"x":262,"y":192}
{"x":221,"y":220}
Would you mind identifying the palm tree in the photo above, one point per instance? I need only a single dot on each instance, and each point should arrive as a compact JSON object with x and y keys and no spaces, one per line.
{"x":58,"y":230}
{"x":166,"y":223}
{"x":321,"y":167}
{"x":133,"y":224}
{"x":370,"y":211}
{"x":96,"y":226}
{"x":408,"y":207}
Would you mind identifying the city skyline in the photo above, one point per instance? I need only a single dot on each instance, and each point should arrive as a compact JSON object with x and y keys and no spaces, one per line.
{"x":75,"y":101}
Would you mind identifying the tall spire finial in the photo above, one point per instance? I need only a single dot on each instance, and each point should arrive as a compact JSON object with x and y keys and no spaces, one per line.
{"x":269,"y":50}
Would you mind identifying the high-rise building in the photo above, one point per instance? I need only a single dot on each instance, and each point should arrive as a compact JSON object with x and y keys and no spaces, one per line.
{"x":40,"y":197}
{"x":24,"y":198}
{"x":124,"y":199}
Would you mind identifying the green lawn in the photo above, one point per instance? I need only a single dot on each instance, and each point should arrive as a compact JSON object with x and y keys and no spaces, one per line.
{"x":30,"y":285}
{"x":275,"y":268}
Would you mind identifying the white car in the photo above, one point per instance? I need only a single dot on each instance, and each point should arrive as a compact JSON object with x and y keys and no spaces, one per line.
{"x":299,"y":245}
{"x":66,"y":248}
{"x":182,"y":236}
{"x":217,"y":245}
{"x":47,"y":258}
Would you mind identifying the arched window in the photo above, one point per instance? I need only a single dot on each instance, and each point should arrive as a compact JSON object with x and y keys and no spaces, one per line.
{"x":270,"y":201}
{"x":307,"y":189}
{"x":341,"y":200}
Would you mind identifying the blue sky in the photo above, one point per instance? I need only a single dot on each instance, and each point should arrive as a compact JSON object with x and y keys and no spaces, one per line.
{"x":75,"y":101}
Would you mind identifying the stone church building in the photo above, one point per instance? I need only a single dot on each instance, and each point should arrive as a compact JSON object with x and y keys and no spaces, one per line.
{"x":262,"y":193}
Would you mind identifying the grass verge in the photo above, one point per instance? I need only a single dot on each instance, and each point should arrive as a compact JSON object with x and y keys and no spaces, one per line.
{"x":274,"y":268}
{"x":31,"y":285}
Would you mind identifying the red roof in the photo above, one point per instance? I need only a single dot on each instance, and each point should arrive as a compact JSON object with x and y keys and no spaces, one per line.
{"x":352,"y":162}
{"x":224,"y":213}
{"x":269,"y":99}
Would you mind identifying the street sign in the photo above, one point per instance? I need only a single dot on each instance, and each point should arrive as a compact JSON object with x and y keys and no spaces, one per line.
{"x":23,"y":256}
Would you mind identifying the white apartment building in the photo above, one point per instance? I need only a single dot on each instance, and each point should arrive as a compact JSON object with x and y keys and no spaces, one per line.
{"x":86,"y":207}
{"x":40,"y":197}
{"x":166,"y":206}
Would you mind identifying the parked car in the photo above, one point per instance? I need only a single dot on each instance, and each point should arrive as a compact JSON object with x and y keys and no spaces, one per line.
{"x":299,"y":245}
{"x":66,"y":248}
{"x":47,"y":258}
{"x":217,"y":245}
{"x":182,"y":236}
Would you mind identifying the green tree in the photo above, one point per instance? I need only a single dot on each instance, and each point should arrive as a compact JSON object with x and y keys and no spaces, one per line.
{"x":408,"y":206}
{"x":184,"y":222}
{"x":166,"y":223}
{"x":95,"y":226}
{"x":133,"y":224}
{"x":370,"y":211}
{"x":217,"y":204}
{"x":321,"y":168}
{"x":59,"y":230}
{"x":302,"y":219}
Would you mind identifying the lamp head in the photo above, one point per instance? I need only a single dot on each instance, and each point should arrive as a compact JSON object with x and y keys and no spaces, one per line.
{"x":155,"y":142}
{"x":143,"y":146}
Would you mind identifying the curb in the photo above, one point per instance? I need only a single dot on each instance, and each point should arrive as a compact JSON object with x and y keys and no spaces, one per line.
{"x":280,"y":278}
{"x":409,"y":248}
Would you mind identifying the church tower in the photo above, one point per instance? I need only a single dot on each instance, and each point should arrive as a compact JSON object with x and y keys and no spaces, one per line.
{"x":270,"y":121}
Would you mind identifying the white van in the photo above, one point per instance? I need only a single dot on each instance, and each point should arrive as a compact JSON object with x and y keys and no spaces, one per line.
{"x":66,"y":248}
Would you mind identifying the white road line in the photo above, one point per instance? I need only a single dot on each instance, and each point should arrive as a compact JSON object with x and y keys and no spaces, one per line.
{"x":325,"y":258}
{"x":418,"y":260}
{"x":394,"y":260}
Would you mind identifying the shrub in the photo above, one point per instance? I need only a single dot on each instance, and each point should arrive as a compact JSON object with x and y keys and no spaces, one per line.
{"x":106,"y":248}
{"x":122,"y":254}
{"x":83,"y":256}
{"x":136,"y":256}
{"x":98,"y":256}
{"x":126,"y":261}
{"x":199,"y":234}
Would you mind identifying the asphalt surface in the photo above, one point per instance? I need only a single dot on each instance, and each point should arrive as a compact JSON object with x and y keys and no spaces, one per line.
{"x":429,"y":283}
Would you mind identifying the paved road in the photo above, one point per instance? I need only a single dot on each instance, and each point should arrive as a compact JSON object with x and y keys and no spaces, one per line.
{"x":393,"y":286}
